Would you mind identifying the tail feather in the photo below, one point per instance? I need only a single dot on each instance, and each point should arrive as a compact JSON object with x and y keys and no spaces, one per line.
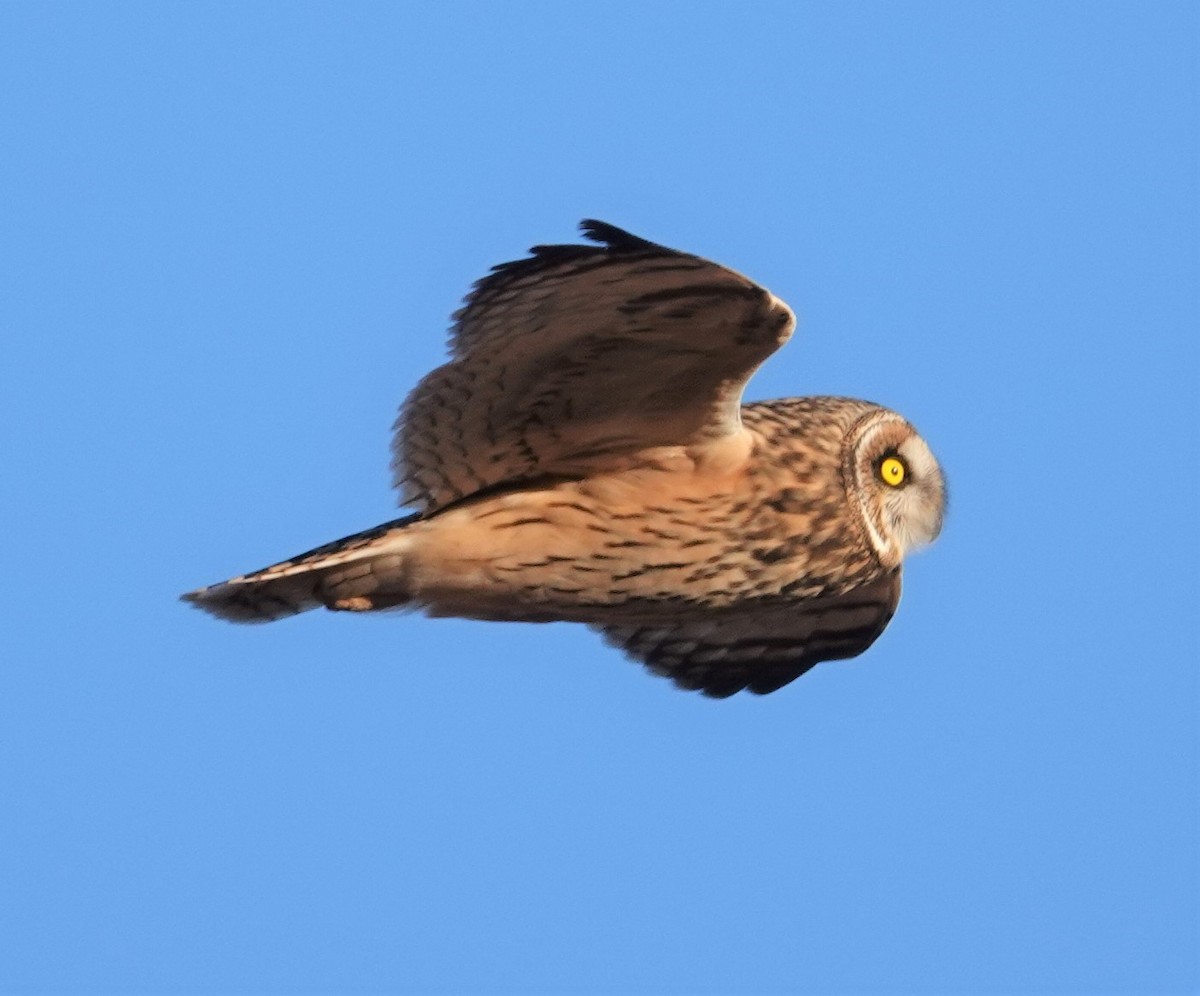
{"x":363,"y":571}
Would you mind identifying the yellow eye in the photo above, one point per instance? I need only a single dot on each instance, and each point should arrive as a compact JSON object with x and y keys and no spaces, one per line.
{"x":892,"y":471}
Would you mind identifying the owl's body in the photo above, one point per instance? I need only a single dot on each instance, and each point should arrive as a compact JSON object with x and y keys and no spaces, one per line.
{"x":585,"y":457}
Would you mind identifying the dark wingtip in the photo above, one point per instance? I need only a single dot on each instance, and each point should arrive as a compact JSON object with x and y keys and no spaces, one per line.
{"x":613,"y":241}
{"x":614,"y":238}
{"x":228,"y":601}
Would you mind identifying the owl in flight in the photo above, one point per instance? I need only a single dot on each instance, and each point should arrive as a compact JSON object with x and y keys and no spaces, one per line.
{"x":585,"y":456}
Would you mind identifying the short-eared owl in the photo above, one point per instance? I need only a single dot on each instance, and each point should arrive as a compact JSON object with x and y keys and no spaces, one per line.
{"x":585,"y":456}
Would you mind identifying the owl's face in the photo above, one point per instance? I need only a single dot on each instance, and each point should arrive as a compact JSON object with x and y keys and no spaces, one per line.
{"x":898,"y":485}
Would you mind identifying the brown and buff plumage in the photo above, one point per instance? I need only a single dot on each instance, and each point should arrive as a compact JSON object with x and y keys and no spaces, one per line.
{"x":585,"y":456}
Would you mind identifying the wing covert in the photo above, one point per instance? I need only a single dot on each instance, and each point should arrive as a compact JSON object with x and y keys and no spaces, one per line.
{"x":577,"y":355}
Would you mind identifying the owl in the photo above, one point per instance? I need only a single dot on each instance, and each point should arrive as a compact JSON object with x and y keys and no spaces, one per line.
{"x":585,"y":456}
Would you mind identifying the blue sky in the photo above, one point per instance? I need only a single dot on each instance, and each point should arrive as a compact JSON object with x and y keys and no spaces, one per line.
{"x":232,"y":237}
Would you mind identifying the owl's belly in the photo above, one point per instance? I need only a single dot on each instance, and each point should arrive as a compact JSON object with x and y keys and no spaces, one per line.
{"x":638,"y":543}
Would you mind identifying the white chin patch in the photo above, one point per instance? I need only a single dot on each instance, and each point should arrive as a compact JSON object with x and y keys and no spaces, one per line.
{"x":914,"y":522}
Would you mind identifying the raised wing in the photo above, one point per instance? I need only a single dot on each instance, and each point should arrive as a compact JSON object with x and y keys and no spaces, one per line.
{"x":577,"y":355}
{"x":761,"y":649}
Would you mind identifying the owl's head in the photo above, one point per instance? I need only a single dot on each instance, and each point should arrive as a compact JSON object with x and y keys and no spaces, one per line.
{"x":897,"y":482}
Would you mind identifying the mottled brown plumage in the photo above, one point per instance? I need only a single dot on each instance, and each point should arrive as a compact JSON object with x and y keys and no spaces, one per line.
{"x":584,"y":456}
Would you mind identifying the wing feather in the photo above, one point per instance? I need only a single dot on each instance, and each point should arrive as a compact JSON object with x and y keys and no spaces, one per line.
{"x":761,"y":649}
{"x":579,"y":354}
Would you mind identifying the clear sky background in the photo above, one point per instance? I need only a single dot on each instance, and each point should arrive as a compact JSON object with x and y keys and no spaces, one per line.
{"x":230,"y":238}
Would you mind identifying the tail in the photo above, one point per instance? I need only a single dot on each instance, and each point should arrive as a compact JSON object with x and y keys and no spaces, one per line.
{"x":357,"y":573}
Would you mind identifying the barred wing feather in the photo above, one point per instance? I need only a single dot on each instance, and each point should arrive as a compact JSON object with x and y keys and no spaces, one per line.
{"x":578,"y":354}
{"x":760,"y":649}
